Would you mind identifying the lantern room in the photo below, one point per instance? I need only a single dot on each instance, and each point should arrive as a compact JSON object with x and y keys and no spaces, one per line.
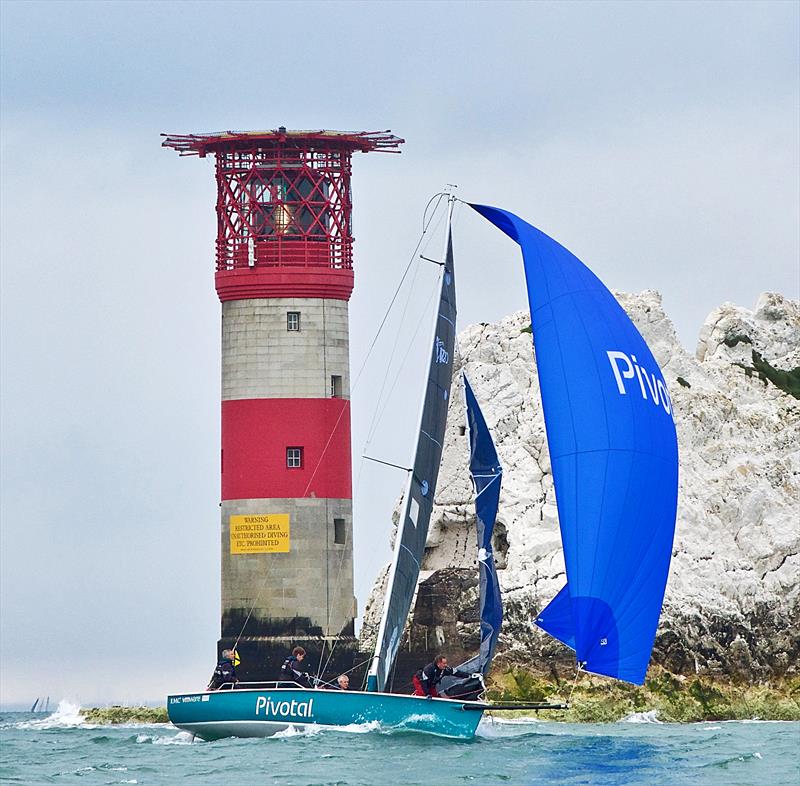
{"x":284,"y":209}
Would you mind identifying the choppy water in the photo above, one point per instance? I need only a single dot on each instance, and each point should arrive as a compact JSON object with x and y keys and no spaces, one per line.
{"x":61,"y":748}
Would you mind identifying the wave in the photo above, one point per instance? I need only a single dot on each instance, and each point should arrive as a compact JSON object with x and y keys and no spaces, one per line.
{"x":100,"y":768}
{"x":312,"y":731}
{"x":757,"y":720}
{"x":521,"y":721}
{"x":293,"y":731}
{"x":725,"y":763}
{"x":181,"y":738}
{"x":491,"y":728}
{"x":651,"y":716}
{"x":67,"y":716}
{"x":419,"y":718}
{"x":360,"y":728}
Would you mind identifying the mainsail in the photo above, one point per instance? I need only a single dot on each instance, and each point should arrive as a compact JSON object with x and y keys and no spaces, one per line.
{"x":614,"y":455}
{"x":487,"y":475}
{"x":412,"y":528}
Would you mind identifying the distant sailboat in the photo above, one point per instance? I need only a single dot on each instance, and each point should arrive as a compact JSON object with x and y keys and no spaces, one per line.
{"x":614,"y":456}
{"x":43,"y":705}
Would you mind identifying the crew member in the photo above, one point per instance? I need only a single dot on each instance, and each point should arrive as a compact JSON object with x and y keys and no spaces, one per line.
{"x":292,"y":668}
{"x":426,"y":680}
{"x":343,"y":682}
{"x":224,"y":676}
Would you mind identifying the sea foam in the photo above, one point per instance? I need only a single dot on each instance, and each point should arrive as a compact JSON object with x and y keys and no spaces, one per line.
{"x":651,"y":716}
{"x":67,"y":715}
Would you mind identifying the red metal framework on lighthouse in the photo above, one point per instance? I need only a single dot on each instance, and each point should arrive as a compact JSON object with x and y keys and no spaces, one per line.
{"x":284,"y":208}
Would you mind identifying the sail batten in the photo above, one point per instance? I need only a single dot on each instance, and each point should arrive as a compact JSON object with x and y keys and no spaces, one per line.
{"x":614,"y":457}
{"x":421,"y":485}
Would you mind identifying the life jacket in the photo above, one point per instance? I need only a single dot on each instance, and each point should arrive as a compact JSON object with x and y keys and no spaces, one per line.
{"x":224,"y":672}
{"x":291,"y":668}
{"x":432,"y":674}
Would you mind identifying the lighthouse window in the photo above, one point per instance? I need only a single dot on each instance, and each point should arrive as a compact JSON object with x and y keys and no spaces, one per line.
{"x":293,"y":320}
{"x":294,"y":458}
{"x":336,"y":386}
{"x":339,"y":534}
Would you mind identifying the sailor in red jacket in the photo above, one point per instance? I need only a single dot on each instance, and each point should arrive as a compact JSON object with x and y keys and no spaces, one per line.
{"x":426,"y":680}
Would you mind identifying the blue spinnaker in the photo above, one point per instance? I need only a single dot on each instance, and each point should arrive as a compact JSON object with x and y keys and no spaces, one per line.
{"x":614,"y":455}
{"x":487,"y":475}
{"x":556,"y":619}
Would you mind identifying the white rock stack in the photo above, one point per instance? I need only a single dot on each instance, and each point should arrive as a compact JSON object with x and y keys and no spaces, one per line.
{"x":733,"y":599}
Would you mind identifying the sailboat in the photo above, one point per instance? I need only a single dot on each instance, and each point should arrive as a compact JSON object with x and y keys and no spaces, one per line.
{"x":614,"y":455}
{"x":40,"y":705}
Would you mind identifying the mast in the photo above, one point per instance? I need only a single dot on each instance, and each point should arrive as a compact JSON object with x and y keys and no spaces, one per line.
{"x":412,"y":528}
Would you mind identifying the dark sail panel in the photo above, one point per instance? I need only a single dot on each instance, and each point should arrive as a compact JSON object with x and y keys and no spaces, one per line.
{"x":421,"y":488}
{"x":487,"y":475}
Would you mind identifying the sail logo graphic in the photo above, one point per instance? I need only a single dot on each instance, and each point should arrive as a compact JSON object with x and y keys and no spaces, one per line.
{"x":439,"y":352}
{"x":626,"y":367}
{"x":284,"y":709}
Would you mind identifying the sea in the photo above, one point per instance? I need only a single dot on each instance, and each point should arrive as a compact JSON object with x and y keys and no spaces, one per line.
{"x":61,"y":748}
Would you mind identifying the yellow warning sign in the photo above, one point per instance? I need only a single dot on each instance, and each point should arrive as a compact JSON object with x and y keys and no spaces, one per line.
{"x":260,"y":534}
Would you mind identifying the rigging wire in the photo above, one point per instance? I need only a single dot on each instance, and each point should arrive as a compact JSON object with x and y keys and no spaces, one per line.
{"x":375,"y":420}
{"x":578,"y":672}
{"x":252,"y":608}
{"x":425,"y":227}
{"x":379,"y":415}
{"x":354,"y":384}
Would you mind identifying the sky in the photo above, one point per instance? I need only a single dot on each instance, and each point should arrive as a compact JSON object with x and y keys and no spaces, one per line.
{"x":657,"y":141}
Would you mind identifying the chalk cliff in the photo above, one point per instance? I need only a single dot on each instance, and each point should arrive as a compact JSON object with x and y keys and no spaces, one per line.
{"x":733,"y":600}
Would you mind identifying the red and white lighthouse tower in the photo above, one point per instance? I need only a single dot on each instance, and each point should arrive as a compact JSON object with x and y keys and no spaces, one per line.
{"x":284,"y":275}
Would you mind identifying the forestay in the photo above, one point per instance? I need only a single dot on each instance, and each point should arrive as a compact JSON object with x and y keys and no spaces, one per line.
{"x":421,"y":488}
{"x":614,"y":456}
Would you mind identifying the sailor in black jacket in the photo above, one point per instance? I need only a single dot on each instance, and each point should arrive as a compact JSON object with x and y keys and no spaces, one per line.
{"x":224,"y":676}
{"x":426,"y":680}
{"x":292,"y":668}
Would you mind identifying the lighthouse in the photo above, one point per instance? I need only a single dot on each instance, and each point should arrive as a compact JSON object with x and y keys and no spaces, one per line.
{"x":284,"y":276}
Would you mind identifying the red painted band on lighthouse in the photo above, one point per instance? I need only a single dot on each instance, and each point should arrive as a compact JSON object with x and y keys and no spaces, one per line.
{"x":256,"y":434}
{"x":316,"y":282}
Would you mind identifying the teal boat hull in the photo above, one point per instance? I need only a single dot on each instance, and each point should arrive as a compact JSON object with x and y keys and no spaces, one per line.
{"x":262,"y":713}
